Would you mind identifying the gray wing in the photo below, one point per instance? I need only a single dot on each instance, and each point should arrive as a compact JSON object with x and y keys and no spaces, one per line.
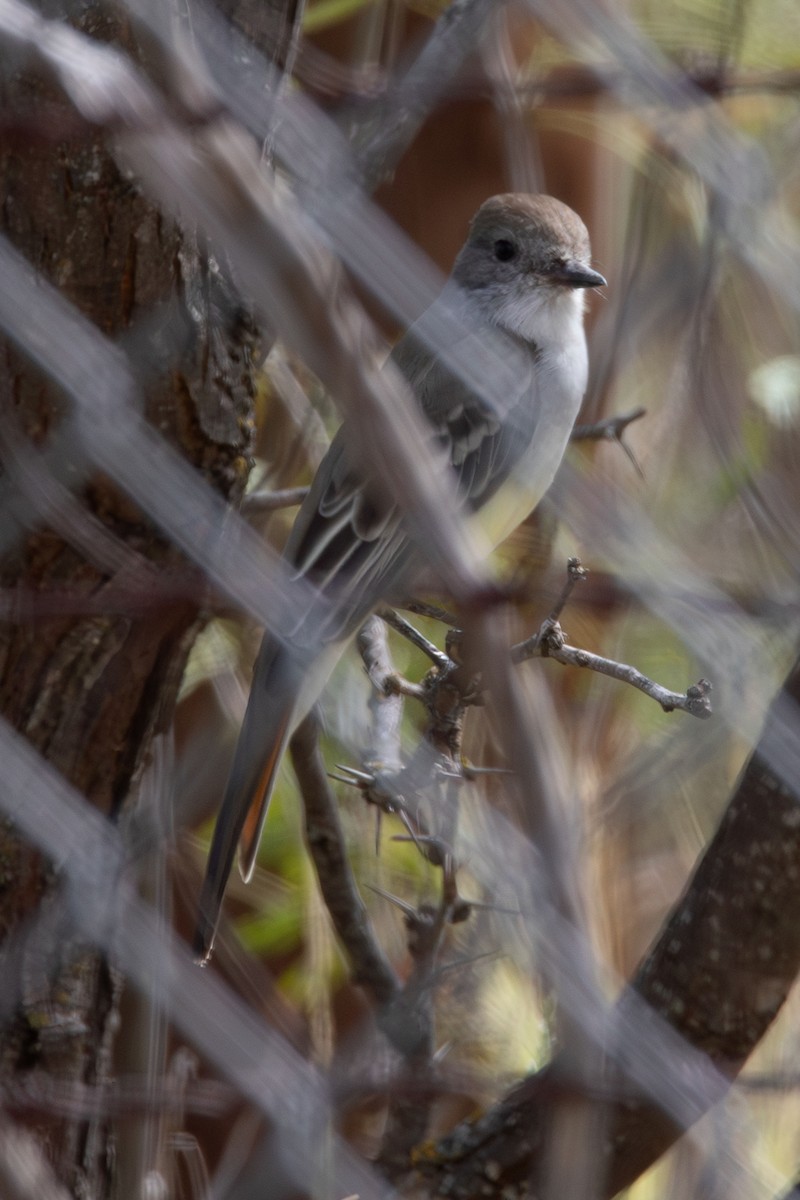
{"x":483,"y":445}
{"x":349,"y":541}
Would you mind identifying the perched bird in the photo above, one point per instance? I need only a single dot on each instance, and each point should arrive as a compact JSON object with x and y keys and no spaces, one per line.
{"x":522,"y":270}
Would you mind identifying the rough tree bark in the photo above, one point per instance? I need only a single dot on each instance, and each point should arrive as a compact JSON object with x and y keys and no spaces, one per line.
{"x":91,"y":662}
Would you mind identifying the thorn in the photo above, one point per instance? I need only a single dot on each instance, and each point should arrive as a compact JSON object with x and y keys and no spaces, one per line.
{"x":412,"y":834}
{"x":429,"y":846}
{"x":631,"y":456}
{"x":364,"y":776}
{"x":409,"y":909}
{"x":464,"y":962}
{"x":471,"y":772}
{"x":488,"y":907}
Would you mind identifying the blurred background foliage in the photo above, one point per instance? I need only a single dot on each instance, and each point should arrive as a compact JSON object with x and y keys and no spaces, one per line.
{"x":700,"y":333}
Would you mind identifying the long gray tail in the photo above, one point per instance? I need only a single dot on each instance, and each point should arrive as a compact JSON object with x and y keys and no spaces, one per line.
{"x":266,"y":729}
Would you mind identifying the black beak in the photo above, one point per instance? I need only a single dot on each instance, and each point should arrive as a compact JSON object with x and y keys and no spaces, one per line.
{"x":576,"y":275}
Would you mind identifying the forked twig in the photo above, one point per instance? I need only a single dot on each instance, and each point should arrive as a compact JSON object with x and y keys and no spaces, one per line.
{"x":549,"y":642}
{"x":611,"y":429}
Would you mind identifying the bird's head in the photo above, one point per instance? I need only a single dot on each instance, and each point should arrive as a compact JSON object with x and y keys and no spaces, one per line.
{"x":526,"y":262}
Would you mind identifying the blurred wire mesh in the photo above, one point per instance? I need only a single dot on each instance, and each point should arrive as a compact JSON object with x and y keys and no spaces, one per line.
{"x":673,"y":130}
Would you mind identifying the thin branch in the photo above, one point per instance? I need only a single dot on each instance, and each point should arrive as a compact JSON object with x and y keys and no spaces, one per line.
{"x":408,"y":1116}
{"x":385,"y":704}
{"x":685,"y":981}
{"x":407,"y":630}
{"x":411,"y":1015}
{"x":422,"y":609}
{"x":371,"y":969}
{"x":576,"y":573}
{"x":549,"y":642}
{"x":404,"y":1014}
{"x":576,"y":81}
{"x":260,"y":502}
{"x":611,"y":428}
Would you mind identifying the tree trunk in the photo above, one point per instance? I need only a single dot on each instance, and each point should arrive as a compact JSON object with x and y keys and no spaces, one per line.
{"x":92,"y":657}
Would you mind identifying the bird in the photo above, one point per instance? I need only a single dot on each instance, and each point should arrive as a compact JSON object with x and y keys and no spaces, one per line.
{"x":523,"y":271}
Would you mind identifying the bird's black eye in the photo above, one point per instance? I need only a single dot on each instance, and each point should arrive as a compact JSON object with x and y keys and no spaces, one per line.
{"x":504,"y":250}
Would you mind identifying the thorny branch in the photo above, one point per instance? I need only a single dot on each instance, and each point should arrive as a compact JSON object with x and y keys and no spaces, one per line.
{"x":385,"y":704}
{"x":404,"y":1013}
{"x":725,"y":916}
{"x":412,"y":1015}
{"x":447,"y":691}
{"x":549,"y":642}
{"x":371,"y":968}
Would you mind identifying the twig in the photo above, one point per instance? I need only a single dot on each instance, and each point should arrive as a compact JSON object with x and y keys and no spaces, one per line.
{"x":371,"y":969}
{"x":422,"y":609}
{"x":385,"y":702}
{"x":407,"y":630}
{"x":410,"y":1018}
{"x":576,"y":573}
{"x":408,"y":1117}
{"x":549,"y":643}
{"x":272,"y":501}
{"x":612,"y":428}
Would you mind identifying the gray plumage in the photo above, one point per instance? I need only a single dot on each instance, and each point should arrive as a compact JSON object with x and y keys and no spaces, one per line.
{"x":521,"y":271}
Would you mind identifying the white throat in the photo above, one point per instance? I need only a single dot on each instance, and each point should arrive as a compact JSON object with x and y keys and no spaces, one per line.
{"x":547,"y":317}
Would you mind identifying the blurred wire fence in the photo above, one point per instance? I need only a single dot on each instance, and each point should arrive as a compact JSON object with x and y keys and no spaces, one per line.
{"x":186,"y":188}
